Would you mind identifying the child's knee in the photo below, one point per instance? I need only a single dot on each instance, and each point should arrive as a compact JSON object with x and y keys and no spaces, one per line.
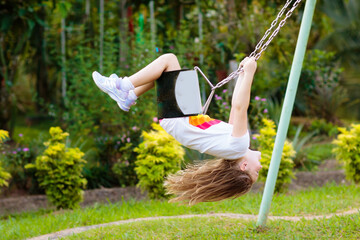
{"x":170,"y":57}
{"x":171,"y":61}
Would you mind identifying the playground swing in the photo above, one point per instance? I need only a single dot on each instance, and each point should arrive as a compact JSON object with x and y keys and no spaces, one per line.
{"x":178,"y":91}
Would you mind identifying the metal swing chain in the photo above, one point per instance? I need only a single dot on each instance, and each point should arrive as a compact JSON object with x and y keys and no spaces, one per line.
{"x":259,"y":49}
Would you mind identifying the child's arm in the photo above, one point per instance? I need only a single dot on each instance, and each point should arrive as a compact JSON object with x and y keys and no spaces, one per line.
{"x":241,"y":98}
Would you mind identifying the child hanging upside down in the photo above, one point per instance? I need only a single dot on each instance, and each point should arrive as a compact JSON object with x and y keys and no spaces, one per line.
{"x":237,"y":168}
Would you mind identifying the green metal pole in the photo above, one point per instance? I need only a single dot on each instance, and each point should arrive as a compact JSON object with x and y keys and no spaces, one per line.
{"x":286,"y":110}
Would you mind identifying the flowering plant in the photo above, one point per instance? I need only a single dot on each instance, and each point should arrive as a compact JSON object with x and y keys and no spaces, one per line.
{"x":15,"y":156}
{"x":117,"y":153}
{"x":258,"y":111}
{"x":223,"y":104}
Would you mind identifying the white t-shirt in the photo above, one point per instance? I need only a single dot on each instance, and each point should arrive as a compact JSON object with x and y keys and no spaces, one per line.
{"x":207,"y":135}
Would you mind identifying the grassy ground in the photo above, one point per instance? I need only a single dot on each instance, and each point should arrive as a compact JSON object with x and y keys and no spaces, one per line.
{"x":316,"y":201}
{"x":346,"y":227}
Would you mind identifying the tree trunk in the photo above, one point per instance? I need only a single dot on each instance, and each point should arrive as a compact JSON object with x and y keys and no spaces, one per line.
{"x":231,"y":8}
{"x":153,"y":27}
{"x":89,"y":30}
{"x":123,"y":33}
{"x":42,"y":85}
{"x":101,"y":35}
{"x":63,"y":59}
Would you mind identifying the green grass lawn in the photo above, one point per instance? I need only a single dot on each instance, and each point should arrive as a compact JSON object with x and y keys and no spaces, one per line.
{"x":344,"y":227}
{"x":315,"y":201}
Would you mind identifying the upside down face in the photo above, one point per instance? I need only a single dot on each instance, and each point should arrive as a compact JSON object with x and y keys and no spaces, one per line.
{"x":251,"y":163}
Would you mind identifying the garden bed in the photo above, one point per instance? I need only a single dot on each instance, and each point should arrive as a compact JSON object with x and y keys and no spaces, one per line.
{"x":328,"y":172}
{"x":10,"y":205}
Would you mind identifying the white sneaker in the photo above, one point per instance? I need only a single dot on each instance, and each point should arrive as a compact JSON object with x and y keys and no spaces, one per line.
{"x":114,"y":76}
{"x":125,"y":106}
{"x":109,"y":86}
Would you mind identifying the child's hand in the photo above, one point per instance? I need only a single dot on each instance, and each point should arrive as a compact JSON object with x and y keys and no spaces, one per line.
{"x":249,"y":65}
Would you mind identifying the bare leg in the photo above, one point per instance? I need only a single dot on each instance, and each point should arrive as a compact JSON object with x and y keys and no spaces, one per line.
{"x":142,"y":89}
{"x":164,"y":63}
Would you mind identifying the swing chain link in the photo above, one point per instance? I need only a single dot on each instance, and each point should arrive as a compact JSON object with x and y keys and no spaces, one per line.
{"x":276,"y":31}
{"x":261,"y":47}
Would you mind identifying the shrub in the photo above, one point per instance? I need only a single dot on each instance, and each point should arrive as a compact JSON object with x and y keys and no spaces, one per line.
{"x":116,"y":153}
{"x":323,"y":127}
{"x":258,"y":111}
{"x":15,"y":156}
{"x":158,"y":156}
{"x":301,"y":159}
{"x":59,"y":171}
{"x":320,"y":87}
{"x":266,"y":141}
{"x":99,"y":176}
{"x":124,"y":168}
{"x":223,"y":104}
{"x":348,"y":151}
{"x":4,"y":176}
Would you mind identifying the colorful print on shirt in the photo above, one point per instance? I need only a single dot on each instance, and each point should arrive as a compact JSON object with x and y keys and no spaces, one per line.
{"x":202,"y":121}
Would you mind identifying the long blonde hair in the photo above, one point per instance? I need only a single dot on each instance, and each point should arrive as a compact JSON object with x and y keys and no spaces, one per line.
{"x":211,"y":181}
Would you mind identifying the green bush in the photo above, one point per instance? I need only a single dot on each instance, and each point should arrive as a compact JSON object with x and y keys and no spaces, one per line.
{"x":266,"y":141}
{"x":323,"y":127}
{"x":348,"y":151}
{"x":301,"y":159}
{"x":124,"y":168}
{"x":258,"y":111}
{"x":59,"y":171}
{"x":320,"y":89}
{"x":4,"y":176}
{"x":21,"y":151}
{"x":116,"y":153}
{"x":159,"y":155}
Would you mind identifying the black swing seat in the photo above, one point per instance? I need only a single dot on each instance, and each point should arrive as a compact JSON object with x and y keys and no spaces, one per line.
{"x":178,"y":94}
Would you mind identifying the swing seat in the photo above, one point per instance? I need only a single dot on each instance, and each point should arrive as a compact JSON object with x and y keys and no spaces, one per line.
{"x":178,"y":94}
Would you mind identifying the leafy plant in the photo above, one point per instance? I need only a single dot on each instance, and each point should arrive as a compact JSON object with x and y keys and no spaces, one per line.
{"x":4,"y":176}
{"x":301,"y":159}
{"x":159,"y":155}
{"x":274,"y":108}
{"x":348,"y":151}
{"x":258,"y":111}
{"x":3,"y":136}
{"x":320,"y":86}
{"x":22,"y":151}
{"x":223,"y":104}
{"x":322,"y":127}
{"x":266,"y":141}
{"x":99,"y":176}
{"x":124,"y":168}
{"x":59,"y":171}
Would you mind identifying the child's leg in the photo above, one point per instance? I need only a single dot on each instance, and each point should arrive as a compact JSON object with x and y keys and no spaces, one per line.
{"x":143,"y":89}
{"x":126,"y":90}
{"x":147,"y":75}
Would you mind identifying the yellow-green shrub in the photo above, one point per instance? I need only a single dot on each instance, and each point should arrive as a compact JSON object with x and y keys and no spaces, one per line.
{"x":158,"y":156}
{"x":348,"y":151}
{"x":4,"y":176}
{"x":59,"y":171}
{"x":266,"y":141}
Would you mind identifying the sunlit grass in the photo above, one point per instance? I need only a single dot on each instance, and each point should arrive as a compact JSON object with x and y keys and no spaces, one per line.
{"x":316,"y":201}
{"x":344,"y":227}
